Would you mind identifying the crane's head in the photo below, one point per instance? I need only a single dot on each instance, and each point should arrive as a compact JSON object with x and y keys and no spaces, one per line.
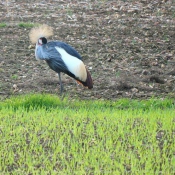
{"x":42,"y":41}
{"x":39,"y":34}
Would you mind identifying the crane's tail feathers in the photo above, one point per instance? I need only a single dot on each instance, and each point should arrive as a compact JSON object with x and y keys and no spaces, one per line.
{"x":41,"y":31}
{"x":88,"y":83}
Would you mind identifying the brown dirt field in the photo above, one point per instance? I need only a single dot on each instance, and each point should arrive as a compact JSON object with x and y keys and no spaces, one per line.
{"x":128,"y":47}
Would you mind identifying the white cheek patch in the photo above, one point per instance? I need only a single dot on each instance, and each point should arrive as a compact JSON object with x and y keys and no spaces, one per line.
{"x":74,"y":65}
{"x":40,"y":41}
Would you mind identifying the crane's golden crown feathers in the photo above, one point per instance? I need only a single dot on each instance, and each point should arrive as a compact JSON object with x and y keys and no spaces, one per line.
{"x":41,"y":31}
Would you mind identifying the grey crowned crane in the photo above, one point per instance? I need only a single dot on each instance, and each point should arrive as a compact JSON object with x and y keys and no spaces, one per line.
{"x":60,"y":56}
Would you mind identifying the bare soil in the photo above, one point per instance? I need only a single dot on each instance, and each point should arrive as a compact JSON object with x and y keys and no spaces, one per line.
{"x":128,"y":46}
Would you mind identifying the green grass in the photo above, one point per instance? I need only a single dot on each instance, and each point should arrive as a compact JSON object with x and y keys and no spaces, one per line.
{"x":21,"y":24}
{"x":15,"y":77}
{"x":27,"y":24}
{"x":40,"y":134}
{"x":3,"y":25}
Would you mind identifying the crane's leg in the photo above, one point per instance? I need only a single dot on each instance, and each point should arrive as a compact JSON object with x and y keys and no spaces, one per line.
{"x":61,"y":85}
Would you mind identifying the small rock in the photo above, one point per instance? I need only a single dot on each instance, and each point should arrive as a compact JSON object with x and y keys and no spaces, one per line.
{"x":154,"y":63}
{"x":109,"y":59}
{"x":113,"y":83}
{"x":30,"y":47}
{"x":162,"y":66}
{"x":90,"y":63}
{"x":145,"y":72}
{"x":146,"y":40}
{"x":14,"y":86}
{"x":134,"y":90}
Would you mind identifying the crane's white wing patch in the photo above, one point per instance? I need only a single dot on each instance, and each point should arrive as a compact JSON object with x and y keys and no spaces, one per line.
{"x":74,"y":65}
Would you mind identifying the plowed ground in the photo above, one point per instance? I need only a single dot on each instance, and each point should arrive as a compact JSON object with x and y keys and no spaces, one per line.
{"x":128,"y":47}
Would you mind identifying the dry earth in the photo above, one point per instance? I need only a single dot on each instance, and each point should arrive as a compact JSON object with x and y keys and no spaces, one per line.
{"x":128,"y":46}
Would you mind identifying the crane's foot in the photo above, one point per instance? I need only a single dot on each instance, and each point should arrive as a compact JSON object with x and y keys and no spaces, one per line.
{"x":62,"y":94}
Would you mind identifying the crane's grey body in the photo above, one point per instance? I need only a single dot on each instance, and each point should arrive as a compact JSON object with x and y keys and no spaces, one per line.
{"x":60,"y":56}
{"x":50,"y":53}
